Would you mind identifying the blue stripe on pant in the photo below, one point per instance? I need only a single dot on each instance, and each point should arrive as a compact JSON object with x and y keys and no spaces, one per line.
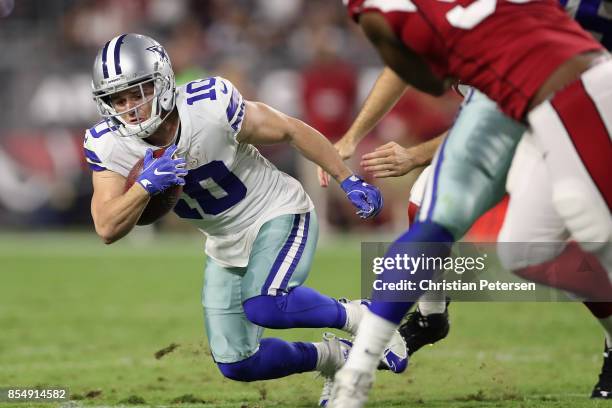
{"x":288,"y":257}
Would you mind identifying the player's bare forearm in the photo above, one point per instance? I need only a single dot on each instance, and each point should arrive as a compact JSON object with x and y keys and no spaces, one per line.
{"x":385,"y":93}
{"x":316,"y":148}
{"x":115,"y":213}
{"x":423,"y":153}
{"x":265,"y":125}
{"x":393,"y":160}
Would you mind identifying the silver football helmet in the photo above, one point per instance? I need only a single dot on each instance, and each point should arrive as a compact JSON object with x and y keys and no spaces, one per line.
{"x":131,"y":61}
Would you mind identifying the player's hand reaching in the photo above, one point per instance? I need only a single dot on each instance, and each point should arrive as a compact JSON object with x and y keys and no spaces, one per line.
{"x":346,"y":149}
{"x":160,"y":173}
{"x":390,"y":160}
{"x":365,"y":197}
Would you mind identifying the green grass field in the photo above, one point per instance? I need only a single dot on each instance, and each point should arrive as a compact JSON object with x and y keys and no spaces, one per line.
{"x":90,"y":317}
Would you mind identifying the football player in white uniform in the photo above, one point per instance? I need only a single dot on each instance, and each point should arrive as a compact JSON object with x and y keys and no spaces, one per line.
{"x":260,"y":224}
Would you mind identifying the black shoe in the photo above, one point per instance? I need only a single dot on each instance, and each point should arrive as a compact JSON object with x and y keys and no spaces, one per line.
{"x":418,"y":330}
{"x":603,"y":388}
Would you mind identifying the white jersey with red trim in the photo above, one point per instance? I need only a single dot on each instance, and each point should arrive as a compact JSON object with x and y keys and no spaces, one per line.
{"x":231,"y":189}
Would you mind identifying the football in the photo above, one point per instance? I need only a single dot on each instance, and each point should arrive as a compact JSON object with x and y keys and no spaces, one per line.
{"x":159,"y":204}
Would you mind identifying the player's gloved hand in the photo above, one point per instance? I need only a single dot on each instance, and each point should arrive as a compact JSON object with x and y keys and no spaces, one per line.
{"x":163,"y":172}
{"x":365,"y":197}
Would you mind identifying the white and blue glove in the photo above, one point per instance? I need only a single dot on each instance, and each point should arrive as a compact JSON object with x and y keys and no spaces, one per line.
{"x":365,"y":197}
{"x":163,"y":172}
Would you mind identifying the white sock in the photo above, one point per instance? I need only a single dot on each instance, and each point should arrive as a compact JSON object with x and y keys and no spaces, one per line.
{"x":354,"y":314}
{"x":372,"y":337}
{"x":432,"y":302}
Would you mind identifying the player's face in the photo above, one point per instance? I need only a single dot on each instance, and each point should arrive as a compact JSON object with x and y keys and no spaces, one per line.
{"x":135,"y":103}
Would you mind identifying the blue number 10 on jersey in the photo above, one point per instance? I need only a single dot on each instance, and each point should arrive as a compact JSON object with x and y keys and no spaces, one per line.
{"x":208,"y":203}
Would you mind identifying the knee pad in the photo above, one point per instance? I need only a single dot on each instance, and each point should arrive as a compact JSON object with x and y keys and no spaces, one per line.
{"x":261,"y":310}
{"x":244,"y":371}
{"x":275,"y":358}
{"x":587,"y":219}
{"x":300,"y":307}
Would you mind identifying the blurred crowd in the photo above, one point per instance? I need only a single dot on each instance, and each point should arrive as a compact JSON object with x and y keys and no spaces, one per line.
{"x":304,"y":57}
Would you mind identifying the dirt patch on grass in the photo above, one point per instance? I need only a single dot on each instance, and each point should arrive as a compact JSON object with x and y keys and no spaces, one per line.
{"x":188,"y":399}
{"x":166,"y":350}
{"x":133,"y":400}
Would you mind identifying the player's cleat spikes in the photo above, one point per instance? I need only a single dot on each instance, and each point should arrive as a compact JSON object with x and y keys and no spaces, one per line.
{"x":326,"y":392}
{"x":603,"y":388}
{"x":355,"y":309}
{"x":350,"y":389}
{"x":337,"y":353}
{"x":418,"y":330}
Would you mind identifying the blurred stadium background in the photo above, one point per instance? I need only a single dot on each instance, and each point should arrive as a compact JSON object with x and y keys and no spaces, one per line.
{"x":76,"y":313}
{"x":305,"y":58}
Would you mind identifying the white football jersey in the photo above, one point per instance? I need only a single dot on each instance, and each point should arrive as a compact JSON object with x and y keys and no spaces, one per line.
{"x":231,"y":190}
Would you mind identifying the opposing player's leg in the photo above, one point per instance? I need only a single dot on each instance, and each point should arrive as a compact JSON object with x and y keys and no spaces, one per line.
{"x":429,"y":322}
{"x":573,"y":131}
{"x":532,"y":218}
{"x":533,"y":239}
{"x":603,"y":312}
{"x":469,"y":173}
{"x":469,"y":177}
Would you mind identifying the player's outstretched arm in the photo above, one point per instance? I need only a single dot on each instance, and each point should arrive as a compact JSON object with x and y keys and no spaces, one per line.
{"x":393,"y":160}
{"x":265,"y":125}
{"x":385,"y":93}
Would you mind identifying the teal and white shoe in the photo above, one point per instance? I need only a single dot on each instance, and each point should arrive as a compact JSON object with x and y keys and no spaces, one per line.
{"x":395,"y":357}
{"x":337,"y":351}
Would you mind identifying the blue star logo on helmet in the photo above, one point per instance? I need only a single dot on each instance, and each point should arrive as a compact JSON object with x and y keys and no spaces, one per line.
{"x":160,"y":50}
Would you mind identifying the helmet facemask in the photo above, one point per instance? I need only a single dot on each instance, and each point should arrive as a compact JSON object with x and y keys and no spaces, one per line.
{"x":158,"y":113}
